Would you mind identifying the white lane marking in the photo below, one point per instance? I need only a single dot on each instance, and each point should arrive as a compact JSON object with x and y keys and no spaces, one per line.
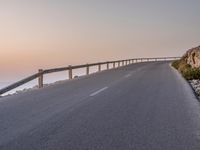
{"x":128,"y":75}
{"x":99,"y":91}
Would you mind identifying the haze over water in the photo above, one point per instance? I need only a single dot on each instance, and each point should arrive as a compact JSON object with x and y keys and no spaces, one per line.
{"x":54,"y":33}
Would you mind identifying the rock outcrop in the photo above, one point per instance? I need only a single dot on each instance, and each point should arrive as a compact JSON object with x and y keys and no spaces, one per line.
{"x":192,"y":57}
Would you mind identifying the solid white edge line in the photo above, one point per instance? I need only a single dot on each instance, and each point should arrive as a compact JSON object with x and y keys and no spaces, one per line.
{"x":99,"y":91}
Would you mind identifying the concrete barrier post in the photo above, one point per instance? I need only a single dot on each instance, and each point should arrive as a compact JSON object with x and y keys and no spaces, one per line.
{"x":40,"y":78}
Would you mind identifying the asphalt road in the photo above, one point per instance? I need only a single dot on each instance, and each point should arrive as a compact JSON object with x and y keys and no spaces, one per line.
{"x":144,"y":106}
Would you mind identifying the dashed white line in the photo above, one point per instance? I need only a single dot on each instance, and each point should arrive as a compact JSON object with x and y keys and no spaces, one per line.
{"x":99,"y":91}
{"x":128,"y":75}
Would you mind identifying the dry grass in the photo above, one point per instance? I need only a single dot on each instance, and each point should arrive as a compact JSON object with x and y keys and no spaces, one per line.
{"x":186,"y":70}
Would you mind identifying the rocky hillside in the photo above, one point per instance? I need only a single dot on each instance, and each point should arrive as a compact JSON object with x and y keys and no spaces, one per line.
{"x":189,"y":64}
{"x":192,"y":57}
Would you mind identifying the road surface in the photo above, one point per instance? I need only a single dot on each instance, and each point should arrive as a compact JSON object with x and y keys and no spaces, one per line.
{"x":144,"y":106}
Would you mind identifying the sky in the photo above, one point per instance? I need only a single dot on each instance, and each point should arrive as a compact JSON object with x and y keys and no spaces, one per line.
{"x":54,"y":33}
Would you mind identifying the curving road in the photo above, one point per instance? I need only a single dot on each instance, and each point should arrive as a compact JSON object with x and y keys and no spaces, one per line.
{"x":144,"y":106}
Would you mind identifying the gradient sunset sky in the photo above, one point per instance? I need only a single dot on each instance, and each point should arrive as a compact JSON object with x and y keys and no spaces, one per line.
{"x":51,"y":33}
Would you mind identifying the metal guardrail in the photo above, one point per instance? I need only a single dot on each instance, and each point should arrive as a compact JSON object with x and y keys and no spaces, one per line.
{"x":41,"y":72}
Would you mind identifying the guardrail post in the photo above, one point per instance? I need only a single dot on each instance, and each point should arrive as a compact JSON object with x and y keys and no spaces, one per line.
{"x":107,"y":65}
{"x":87,"y":70}
{"x":114,"y":65}
{"x":99,"y":67}
{"x":70,"y":72}
{"x":119,"y":64}
{"x":40,"y":78}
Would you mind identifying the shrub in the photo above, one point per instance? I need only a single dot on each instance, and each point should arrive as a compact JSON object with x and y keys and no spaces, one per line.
{"x":175,"y":64}
{"x":186,"y":70}
{"x":191,"y":74}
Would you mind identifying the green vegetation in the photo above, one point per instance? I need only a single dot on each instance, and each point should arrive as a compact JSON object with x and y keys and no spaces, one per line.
{"x":186,"y":70}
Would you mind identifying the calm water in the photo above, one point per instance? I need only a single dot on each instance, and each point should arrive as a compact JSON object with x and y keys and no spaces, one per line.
{"x":50,"y":78}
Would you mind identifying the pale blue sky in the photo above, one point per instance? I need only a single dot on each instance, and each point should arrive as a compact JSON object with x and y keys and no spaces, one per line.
{"x":48,"y":33}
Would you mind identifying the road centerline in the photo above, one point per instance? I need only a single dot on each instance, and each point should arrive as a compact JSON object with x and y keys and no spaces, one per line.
{"x":99,"y":91}
{"x":128,"y":75}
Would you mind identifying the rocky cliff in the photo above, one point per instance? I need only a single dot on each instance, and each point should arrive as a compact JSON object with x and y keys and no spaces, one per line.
{"x":192,"y":57}
{"x":189,"y":64}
